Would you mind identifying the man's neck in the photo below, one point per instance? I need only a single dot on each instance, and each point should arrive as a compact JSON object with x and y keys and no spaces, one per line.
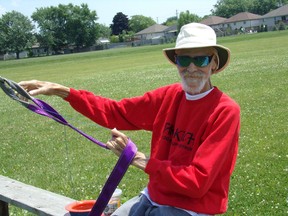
{"x":198,"y":96}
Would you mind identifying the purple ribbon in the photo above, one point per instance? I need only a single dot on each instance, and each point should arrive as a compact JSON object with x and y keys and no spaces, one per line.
{"x":114,"y":179}
{"x":45,"y":109}
{"x":13,"y":90}
{"x":119,"y":170}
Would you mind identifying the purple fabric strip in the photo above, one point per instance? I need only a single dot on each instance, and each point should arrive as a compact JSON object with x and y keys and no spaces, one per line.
{"x":120,"y":168}
{"x":12,"y":89}
{"x":45,"y":109}
{"x":114,"y":179}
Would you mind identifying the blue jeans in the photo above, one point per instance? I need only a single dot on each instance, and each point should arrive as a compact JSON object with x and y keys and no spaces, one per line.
{"x":141,"y":206}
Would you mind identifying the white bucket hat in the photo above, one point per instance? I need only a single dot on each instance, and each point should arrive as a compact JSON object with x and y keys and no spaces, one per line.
{"x":196,"y":35}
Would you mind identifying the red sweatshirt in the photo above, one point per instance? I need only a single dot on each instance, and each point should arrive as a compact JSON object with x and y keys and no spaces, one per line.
{"x":194,"y":143}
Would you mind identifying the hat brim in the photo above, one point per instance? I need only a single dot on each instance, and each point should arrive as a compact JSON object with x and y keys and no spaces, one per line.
{"x":223,"y":53}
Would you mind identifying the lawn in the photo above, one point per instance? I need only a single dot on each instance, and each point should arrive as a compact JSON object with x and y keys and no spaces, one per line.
{"x":40,"y":152}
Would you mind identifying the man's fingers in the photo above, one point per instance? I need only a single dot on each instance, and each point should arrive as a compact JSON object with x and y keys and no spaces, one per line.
{"x":29,"y":85}
{"x":32,"y":87}
{"x":119,"y":137}
{"x":118,"y":142}
{"x":112,"y":145}
{"x":35,"y":87}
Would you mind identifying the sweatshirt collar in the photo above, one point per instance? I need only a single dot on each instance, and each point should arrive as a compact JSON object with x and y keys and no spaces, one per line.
{"x":198,"y":96}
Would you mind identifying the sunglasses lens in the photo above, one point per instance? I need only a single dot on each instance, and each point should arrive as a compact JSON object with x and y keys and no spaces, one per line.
{"x":199,"y":61}
{"x":183,"y":61}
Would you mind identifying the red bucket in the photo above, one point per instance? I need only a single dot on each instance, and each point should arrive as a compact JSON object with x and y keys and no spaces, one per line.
{"x":80,"y":208}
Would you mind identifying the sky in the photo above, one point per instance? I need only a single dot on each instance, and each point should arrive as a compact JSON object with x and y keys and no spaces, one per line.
{"x":158,"y":10}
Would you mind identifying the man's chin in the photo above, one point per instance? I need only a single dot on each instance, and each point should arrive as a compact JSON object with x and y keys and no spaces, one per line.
{"x":192,"y":89}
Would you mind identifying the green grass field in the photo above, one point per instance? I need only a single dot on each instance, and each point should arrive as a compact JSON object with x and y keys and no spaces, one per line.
{"x":40,"y":152}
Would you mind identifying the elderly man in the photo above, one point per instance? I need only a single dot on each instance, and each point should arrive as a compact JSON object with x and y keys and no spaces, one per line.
{"x":195,"y":129}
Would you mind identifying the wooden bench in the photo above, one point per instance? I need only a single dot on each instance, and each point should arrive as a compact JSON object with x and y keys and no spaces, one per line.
{"x":33,"y":199}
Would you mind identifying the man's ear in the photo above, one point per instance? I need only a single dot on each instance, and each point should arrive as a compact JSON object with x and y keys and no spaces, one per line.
{"x":215,"y":62}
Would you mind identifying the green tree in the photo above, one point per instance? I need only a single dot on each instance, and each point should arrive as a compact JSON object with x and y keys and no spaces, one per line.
{"x":114,"y":38}
{"x":140,"y":22}
{"x":187,"y":17}
{"x":66,"y":25}
{"x":16,"y":33}
{"x":51,"y":24}
{"x":120,"y":24}
{"x":81,"y":28}
{"x":103,"y":30}
{"x":171,"y":21}
{"x":228,"y":8}
{"x":262,"y":7}
{"x":281,"y":26}
{"x":126,"y":36}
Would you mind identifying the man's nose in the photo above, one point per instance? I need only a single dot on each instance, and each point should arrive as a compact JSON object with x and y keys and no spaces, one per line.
{"x":192,"y":67}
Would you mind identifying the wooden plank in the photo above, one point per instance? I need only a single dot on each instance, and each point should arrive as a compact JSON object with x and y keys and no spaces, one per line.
{"x":33,"y":199}
{"x":4,"y":208}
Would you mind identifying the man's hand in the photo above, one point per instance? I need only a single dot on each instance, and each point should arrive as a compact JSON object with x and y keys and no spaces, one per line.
{"x":118,"y":143}
{"x":35,"y":87}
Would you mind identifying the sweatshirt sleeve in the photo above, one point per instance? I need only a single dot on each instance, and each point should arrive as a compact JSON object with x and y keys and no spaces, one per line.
{"x":127,"y":114}
{"x":213,"y":161}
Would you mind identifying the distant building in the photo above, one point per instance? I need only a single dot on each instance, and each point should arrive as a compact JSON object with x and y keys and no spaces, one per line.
{"x":170,"y":32}
{"x":216,"y":23}
{"x":152,"y":32}
{"x":274,"y":17}
{"x":246,"y":22}
{"x":155,"y":34}
{"x":242,"y":22}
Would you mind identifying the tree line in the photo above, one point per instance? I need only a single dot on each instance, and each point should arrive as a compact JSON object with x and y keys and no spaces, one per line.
{"x":70,"y":26}
{"x":228,"y":8}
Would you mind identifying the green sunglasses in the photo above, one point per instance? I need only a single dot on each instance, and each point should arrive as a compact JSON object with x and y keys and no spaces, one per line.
{"x":199,"y":61}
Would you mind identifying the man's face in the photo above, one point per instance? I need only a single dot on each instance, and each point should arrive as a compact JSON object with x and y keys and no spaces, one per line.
{"x":196,"y":79}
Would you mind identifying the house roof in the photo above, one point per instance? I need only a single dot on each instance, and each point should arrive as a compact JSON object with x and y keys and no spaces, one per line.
{"x":171,"y":29}
{"x":282,"y":11}
{"x":243,"y":16}
{"x":213,"y":20}
{"x":153,"y":29}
